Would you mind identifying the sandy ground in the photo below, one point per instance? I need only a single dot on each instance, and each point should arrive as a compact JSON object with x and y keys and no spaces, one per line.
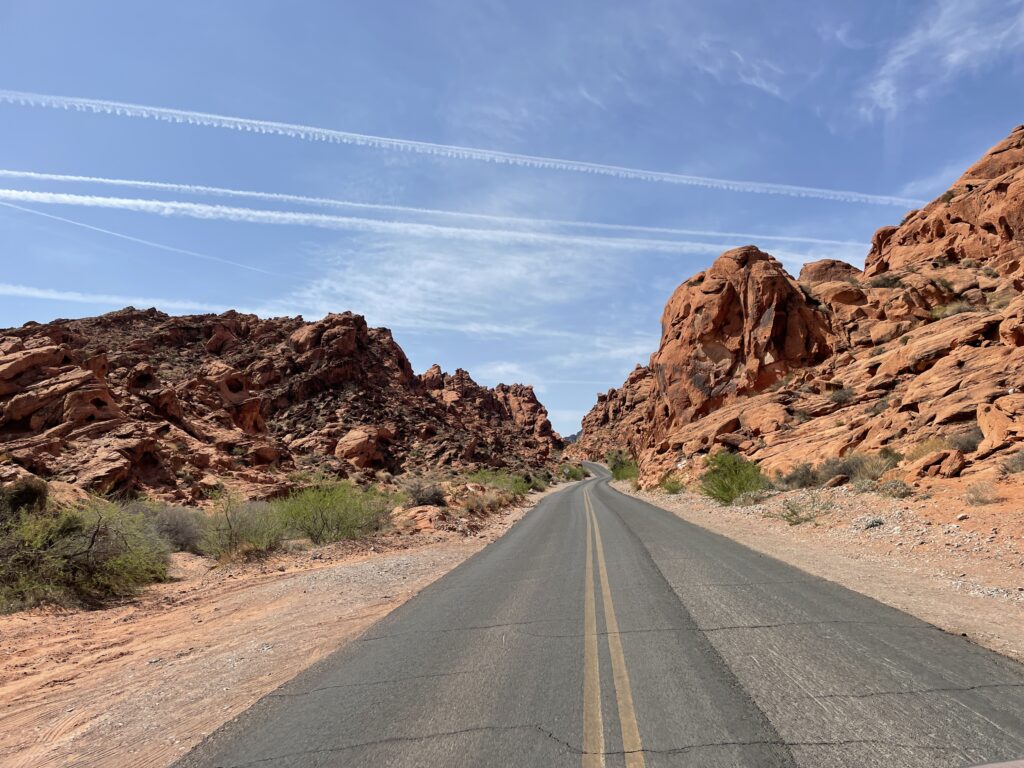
{"x":955,"y":564}
{"x":141,"y":683}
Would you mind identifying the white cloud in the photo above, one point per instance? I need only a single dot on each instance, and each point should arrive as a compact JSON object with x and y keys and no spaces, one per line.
{"x":113,"y":301}
{"x":952,"y":37}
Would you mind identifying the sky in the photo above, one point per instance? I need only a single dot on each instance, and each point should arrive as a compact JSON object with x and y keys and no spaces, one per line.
{"x":514,"y":188}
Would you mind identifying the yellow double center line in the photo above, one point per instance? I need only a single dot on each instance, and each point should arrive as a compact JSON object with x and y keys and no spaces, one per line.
{"x":593,"y":727}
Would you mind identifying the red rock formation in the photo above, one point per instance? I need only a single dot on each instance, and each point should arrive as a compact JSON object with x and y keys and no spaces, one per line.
{"x":175,"y":406}
{"x":927,"y":342}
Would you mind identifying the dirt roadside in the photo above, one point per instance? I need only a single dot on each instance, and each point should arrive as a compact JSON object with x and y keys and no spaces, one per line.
{"x":141,"y":683}
{"x":958,"y":567}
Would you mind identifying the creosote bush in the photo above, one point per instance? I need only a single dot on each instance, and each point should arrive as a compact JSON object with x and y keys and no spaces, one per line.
{"x":728,"y":476}
{"x":896,"y":489}
{"x":332,"y":512}
{"x":242,"y":529}
{"x":78,"y":556}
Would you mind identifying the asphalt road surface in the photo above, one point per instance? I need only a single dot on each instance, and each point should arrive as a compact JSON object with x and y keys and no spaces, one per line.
{"x":604,"y":631}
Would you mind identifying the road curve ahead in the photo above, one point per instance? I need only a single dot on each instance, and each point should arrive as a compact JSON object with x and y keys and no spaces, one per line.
{"x":604,"y":631}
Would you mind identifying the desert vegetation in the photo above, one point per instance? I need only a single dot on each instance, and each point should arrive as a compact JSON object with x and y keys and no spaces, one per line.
{"x":729,"y":476}
{"x":90,"y":552}
{"x":621,"y":465}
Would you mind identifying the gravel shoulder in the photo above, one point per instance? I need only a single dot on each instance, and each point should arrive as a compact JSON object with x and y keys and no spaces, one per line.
{"x":958,"y":567}
{"x":141,"y":683}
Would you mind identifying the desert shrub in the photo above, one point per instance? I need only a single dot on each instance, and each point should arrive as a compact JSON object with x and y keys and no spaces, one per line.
{"x":981,"y":493}
{"x":925,"y":447}
{"x":485,"y":503}
{"x":28,"y":493}
{"x":885,"y":281}
{"x":750,"y":498}
{"x":77,"y":556}
{"x":330,"y":512}
{"x":670,"y":484}
{"x":622,"y":465}
{"x":874,"y":522}
{"x":419,"y":491}
{"x":841,"y":396}
{"x":729,"y":476}
{"x":573,"y":472}
{"x":1000,"y":299}
{"x":896,"y":489}
{"x":862,"y":468}
{"x":989,"y":272}
{"x":805,"y":510}
{"x":242,"y":529}
{"x":181,"y":528}
{"x":967,"y":442}
{"x":954,"y":308}
{"x":516,"y":485}
{"x":1014,"y":464}
{"x":800,"y":476}
{"x":948,"y":195}
{"x":878,"y":407}
{"x":800,"y":416}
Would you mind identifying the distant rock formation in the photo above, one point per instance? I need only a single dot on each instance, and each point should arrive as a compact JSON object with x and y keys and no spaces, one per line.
{"x":139,"y":401}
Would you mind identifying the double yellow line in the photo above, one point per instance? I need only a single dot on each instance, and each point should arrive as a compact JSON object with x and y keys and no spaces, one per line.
{"x":593,"y":725}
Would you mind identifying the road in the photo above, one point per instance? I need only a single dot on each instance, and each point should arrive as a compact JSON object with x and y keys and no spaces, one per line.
{"x":604,"y":631}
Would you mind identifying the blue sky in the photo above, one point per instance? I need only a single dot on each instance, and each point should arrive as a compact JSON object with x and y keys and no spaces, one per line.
{"x":888,"y":99}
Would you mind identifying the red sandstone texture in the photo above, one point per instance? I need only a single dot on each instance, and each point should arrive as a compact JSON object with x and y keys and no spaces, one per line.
{"x":927,"y":341}
{"x":179,"y":407}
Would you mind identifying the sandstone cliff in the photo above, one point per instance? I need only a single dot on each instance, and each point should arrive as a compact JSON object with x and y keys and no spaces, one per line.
{"x":927,"y":341}
{"x":138,"y":401}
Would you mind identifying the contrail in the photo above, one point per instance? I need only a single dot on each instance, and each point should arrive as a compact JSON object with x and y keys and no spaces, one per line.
{"x":140,"y":241}
{"x":450,"y":151}
{"x":29,"y":292}
{"x":324,"y":202}
{"x":347,"y":223}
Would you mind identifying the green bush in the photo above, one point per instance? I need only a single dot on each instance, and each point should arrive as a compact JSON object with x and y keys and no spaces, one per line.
{"x":516,"y":485}
{"x":77,"y":556}
{"x":329,"y":512}
{"x":672,"y":485}
{"x":573,"y":472}
{"x":622,"y":465}
{"x":242,"y":530}
{"x":729,"y":476}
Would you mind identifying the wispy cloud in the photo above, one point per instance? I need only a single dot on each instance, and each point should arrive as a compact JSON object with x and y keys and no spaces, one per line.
{"x":324,"y":202}
{"x":106,"y":299}
{"x":141,"y":241}
{"x":207,"y":212}
{"x":449,"y":151}
{"x":952,"y":37}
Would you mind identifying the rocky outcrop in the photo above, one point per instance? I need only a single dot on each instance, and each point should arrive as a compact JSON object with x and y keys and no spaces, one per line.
{"x":138,"y":401}
{"x":925,"y":344}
